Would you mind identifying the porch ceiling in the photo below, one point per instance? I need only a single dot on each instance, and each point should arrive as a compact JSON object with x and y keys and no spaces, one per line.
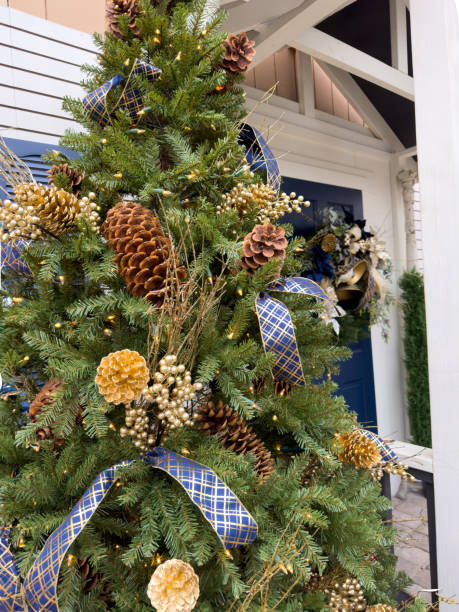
{"x":354,"y":35}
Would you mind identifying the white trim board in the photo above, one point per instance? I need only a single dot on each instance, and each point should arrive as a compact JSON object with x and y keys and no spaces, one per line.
{"x":337,"y":53}
{"x":290,"y":25}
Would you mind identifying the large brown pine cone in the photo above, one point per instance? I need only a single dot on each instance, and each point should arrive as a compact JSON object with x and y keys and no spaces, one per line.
{"x":115,"y":8}
{"x":74,"y":176}
{"x":146,"y":258}
{"x":235,"y":435}
{"x":239,"y":52}
{"x":263,"y":243}
{"x":45,"y":397}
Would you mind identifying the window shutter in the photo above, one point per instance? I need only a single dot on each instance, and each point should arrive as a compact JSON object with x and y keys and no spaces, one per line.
{"x":30,"y":153}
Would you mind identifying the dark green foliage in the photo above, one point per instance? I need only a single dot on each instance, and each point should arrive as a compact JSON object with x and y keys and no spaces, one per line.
{"x":415,"y":345}
{"x":77,"y":309}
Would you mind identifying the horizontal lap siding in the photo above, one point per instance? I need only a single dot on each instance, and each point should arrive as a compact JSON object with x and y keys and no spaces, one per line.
{"x":39,"y":65}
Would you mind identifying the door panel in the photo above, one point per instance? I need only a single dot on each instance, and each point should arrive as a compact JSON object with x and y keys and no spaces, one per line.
{"x":356,"y":382}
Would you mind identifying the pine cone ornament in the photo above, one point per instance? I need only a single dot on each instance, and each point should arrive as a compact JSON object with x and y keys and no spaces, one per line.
{"x":310,"y":472}
{"x":358,"y":450}
{"x":235,"y":435}
{"x":381,"y":608}
{"x":45,"y":397}
{"x":239,"y":53}
{"x":173,"y":587}
{"x":115,"y":8}
{"x":91,"y":578}
{"x":146,"y":258}
{"x":263,"y":243}
{"x":39,"y":210}
{"x":346,"y":596}
{"x":328,"y":243}
{"x":74,"y":177}
{"x":281,"y":387}
{"x":122,"y":376}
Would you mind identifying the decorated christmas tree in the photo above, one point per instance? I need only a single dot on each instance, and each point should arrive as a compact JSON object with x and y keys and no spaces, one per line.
{"x":170,"y":435}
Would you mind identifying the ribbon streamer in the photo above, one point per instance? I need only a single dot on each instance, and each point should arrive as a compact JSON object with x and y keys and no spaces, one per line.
{"x":95,"y":103}
{"x":277,"y":330}
{"x":387,"y":454}
{"x":230,"y":520}
{"x":259,"y":155}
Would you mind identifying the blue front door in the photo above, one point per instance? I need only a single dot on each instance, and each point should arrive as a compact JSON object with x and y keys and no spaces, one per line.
{"x":356,"y":381}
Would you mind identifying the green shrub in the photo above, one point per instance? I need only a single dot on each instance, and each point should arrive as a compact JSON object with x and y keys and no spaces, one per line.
{"x":415,"y":344}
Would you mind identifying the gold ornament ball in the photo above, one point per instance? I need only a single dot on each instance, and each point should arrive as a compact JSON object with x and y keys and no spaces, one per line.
{"x":381,"y":608}
{"x":174,"y":587}
{"x":122,"y":376}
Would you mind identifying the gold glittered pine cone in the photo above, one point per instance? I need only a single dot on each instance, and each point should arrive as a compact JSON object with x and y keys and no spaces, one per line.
{"x":235,"y":435}
{"x":45,"y":397}
{"x":146,"y":258}
{"x":263,"y":243}
{"x":239,"y":53}
{"x":122,"y":376}
{"x":39,"y":210}
{"x":329,"y":243}
{"x":115,"y":8}
{"x":54,"y":210}
{"x":74,"y":177}
{"x":173,"y":587}
{"x":357,"y":449}
{"x":381,"y":608}
{"x":346,"y":596}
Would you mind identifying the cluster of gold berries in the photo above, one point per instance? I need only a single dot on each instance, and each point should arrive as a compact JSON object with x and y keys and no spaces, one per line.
{"x":138,"y":426}
{"x":391,"y":467}
{"x":285,"y":203}
{"x":172,"y":387}
{"x":264,"y":198}
{"x":38,"y":209}
{"x":346,"y":597}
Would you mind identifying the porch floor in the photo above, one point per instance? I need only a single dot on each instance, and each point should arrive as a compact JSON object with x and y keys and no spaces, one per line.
{"x":412,"y":548}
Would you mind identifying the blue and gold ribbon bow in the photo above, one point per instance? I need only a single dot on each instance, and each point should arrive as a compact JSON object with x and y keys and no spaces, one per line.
{"x":387,"y":454}
{"x":95,"y":103}
{"x":229,"y":519}
{"x":259,"y":155}
{"x":277,"y":330}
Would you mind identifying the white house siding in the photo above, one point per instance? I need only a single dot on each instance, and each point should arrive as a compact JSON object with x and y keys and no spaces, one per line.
{"x":39,"y":64}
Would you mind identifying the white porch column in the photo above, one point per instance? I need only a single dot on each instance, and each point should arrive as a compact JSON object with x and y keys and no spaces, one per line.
{"x":435,"y":33}
{"x":408,"y":179}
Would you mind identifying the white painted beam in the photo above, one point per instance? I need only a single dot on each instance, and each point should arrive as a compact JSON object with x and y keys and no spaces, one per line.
{"x":347,"y":85}
{"x":248,"y":16}
{"x":411,"y":152}
{"x":292,"y":23}
{"x":305,"y":83}
{"x":435,"y":37}
{"x":398,"y":35}
{"x":339,"y":54}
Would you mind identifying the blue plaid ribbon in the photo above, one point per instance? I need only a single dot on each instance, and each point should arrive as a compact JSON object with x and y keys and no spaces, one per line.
{"x":95,"y":103}
{"x":387,"y":454}
{"x":11,"y":257}
{"x":259,"y":155}
{"x":11,"y":597}
{"x":277,"y":330}
{"x":230,"y":520}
